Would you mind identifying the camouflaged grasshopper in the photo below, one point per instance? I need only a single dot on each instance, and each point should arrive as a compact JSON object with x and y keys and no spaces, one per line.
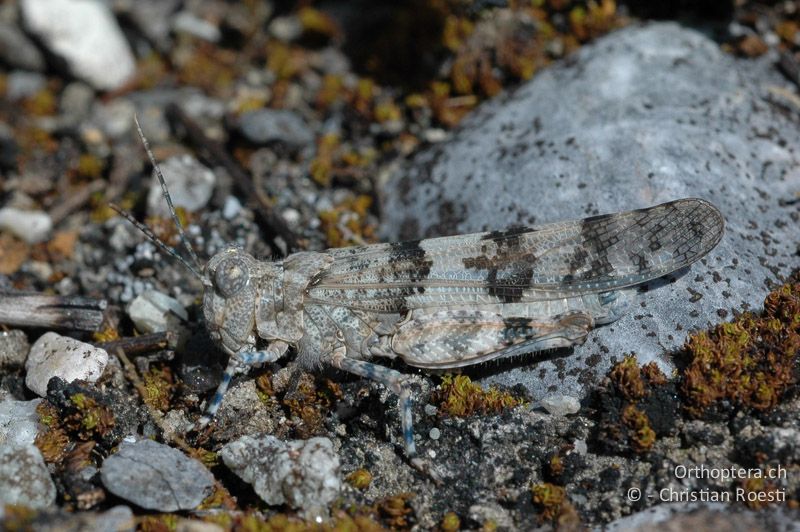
{"x":439,"y":303}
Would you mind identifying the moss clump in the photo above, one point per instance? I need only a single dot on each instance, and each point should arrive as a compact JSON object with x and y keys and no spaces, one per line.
{"x":637,"y":404}
{"x":309,"y":403}
{"x":450,"y":523}
{"x":458,"y":396}
{"x":749,"y":362}
{"x":359,"y":479}
{"x":159,"y":388}
{"x":627,"y":378}
{"x":395,"y":511}
{"x":642,"y":437}
{"x":89,"y":419}
{"x":348,"y":222}
{"x":554,"y":505}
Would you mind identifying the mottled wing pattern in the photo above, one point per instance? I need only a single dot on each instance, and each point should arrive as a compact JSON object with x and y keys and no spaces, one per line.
{"x":597,"y":254}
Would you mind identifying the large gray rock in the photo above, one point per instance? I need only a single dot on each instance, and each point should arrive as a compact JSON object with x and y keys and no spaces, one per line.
{"x":645,"y":115}
{"x":156,"y":476}
{"x":24,"y":478}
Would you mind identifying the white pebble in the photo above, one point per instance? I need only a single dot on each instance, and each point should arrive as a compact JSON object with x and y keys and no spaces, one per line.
{"x":561,"y":405}
{"x":231,"y":208}
{"x":434,"y":434}
{"x":53,"y":355}
{"x":31,"y":226}
{"x":153,"y":312}
{"x":190,"y":184}
{"x":86,"y":35}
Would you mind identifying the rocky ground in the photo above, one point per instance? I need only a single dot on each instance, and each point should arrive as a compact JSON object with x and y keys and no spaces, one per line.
{"x":286,"y":128}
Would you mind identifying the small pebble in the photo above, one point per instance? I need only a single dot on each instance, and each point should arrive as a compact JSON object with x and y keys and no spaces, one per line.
{"x":266,"y":126}
{"x":287,"y":28}
{"x":156,"y":477}
{"x":53,"y":355}
{"x":21,"y":84}
{"x":302,"y":474}
{"x":24,"y":478}
{"x":19,"y":422}
{"x":580,"y":446}
{"x":14,"y":348}
{"x":18,"y":51}
{"x":430,"y":410}
{"x":561,"y":405}
{"x":31,"y":226}
{"x":231,"y":208}
{"x":190,"y":184}
{"x":154,"y":311}
{"x":189,"y":23}
{"x":434,"y":433}
{"x":86,"y":36}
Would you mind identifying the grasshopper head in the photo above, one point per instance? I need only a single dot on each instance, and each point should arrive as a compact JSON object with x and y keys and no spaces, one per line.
{"x":230,"y":298}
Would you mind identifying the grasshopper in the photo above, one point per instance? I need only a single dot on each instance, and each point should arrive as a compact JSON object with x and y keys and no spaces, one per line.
{"x":438,"y":303}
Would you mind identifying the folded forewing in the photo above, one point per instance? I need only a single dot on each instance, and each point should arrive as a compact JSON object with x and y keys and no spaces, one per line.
{"x":596,"y":254}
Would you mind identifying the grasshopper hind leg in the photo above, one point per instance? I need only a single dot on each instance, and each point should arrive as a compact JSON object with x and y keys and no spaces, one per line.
{"x":392,"y":379}
{"x":396,"y":382}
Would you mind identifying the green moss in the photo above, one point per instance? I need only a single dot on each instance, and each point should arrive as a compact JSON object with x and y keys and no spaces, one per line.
{"x":159,"y":388}
{"x":749,"y":362}
{"x":627,"y":378}
{"x":642,"y":437}
{"x":549,"y":498}
{"x":450,"y":523}
{"x":458,"y":396}
{"x":359,"y":479}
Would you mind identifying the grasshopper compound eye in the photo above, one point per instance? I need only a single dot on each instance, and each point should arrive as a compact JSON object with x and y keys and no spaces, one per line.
{"x":232,"y":276}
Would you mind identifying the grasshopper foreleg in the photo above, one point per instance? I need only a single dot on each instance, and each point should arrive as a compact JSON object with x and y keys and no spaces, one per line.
{"x":239,"y":363}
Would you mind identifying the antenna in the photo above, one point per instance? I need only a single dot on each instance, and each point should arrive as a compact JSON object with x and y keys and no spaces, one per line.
{"x":155,"y":240}
{"x":168,"y":199}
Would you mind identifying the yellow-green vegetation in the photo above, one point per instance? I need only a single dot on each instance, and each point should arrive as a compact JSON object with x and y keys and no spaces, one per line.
{"x":264,"y":388}
{"x":630,"y":393}
{"x":395,"y":511}
{"x":347,"y":223}
{"x":310,"y":402}
{"x":89,"y":418}
{"x":555,"y":506}
{"x":106,"y":334}
{"x":83,"y":420}
{"x":18,"y":518}
{"x":627,"y":378}
{"x":555,"y":466}
{"x":749,"y":362}
{"x":158,"y":523}
{"x":450,"y":523}
{"x":641,"y":436}
{"x":159,"y":386}
{"x":90,"y":166}
{"x":458,"y":396}
{"x":359,"y":479}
